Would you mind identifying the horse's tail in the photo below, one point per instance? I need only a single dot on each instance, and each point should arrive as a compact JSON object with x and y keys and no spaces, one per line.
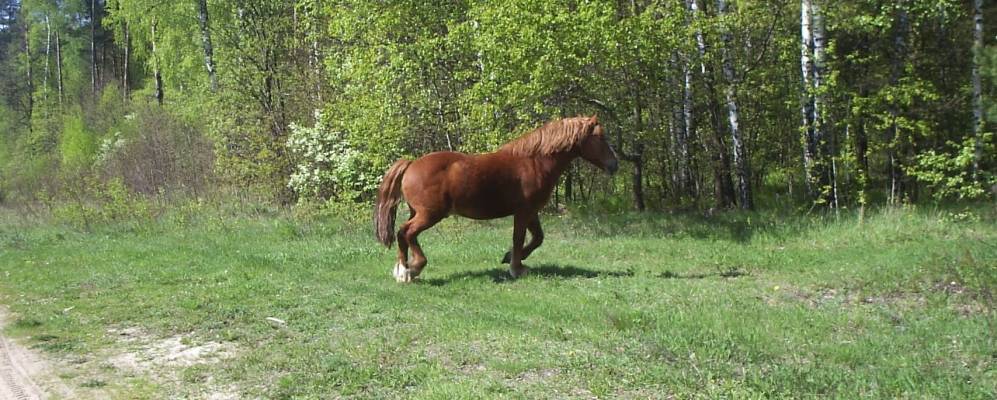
{"x":388,"y":197}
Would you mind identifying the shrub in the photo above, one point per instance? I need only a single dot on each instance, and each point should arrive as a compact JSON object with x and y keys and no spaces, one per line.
{"x":156,"y":153}
{"x":951,"y":176}
{"x":327,"y":167}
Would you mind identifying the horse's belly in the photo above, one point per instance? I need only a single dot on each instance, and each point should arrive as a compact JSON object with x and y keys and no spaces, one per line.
{"x":483,"y":205}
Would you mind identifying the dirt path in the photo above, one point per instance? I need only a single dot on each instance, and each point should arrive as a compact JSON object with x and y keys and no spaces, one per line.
{"x":16,"y":367}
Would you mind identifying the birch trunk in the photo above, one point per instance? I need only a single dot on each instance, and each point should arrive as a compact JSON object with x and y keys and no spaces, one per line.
{"x":58,"y":63}
{"x":209,"y":61}
{"x":687,"y":128}
{"x":977,"y":87}
{"x":31,"y":84}
{"x":824,"y":139}
{"x":124,"y":70}
{"x":93,"y":46}
{"x":638,"y":153}
{"x":156,"y":72}
{"x":807,"y":104}
{"x":723,"y":187}
{"x":48,"y":56}
{"x":741,"y":166}
{"x":893,"y":132}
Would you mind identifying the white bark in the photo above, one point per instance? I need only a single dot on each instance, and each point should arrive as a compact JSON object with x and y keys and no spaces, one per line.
{"x":124,"y":71}
{"x":209,"y":62}
{"x":157,"y":74}
{"x":807,"y":106}
{"x":48,"y":55}
{"x":58,"y":63}
{"x":893,"y":132}
{"x":31,"y":82}
{"x":977,"y":86}
{"x":688,"y":128}
{"x":741,"y":166}
{"x":93,"y":46}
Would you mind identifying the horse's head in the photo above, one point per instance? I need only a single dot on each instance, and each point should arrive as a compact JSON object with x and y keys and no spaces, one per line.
{"x":595,"y":148}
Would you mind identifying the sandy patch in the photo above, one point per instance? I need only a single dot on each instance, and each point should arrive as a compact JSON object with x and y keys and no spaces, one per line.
{"x":26,"y":375}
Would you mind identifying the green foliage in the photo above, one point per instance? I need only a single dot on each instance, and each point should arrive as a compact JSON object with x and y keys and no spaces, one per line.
{"x":327,"y":167}
{"x":78,"y":146}
{"x":401,"y":79}
{"x":89,"y":202}
{"x":951,"y":175}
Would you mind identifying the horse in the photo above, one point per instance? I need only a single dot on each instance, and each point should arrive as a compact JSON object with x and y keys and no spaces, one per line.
{"x":516,"y":180}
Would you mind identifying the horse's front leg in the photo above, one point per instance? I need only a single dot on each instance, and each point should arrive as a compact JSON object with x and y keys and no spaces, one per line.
{"x":536,"y":239}
{"x":516,"y":267}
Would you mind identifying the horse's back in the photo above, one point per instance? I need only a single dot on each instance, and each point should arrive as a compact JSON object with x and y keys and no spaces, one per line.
{"x":476,"y":186}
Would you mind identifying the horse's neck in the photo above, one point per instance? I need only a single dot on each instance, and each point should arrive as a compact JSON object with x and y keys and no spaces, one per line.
{"x":552,"y":166}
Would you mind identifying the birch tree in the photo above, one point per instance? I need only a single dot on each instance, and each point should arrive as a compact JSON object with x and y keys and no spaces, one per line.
{"x":723,"y":186}
{"x":209,"y":62}
{"x":977,"y":87}
{"x":817,"y":162}
{"x":741,"y":166}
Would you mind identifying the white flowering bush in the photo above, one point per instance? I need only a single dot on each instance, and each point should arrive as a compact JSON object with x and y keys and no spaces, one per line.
{"x":326,"y":166}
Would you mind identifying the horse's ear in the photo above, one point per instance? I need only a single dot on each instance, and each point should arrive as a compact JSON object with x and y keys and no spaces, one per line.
{"x":594,"y":118}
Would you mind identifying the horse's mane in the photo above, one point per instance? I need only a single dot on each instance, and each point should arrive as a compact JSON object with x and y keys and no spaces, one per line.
{"x":552,"y":137}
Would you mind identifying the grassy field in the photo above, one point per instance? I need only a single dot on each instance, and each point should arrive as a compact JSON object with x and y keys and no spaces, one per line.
{"x":757,"y":305}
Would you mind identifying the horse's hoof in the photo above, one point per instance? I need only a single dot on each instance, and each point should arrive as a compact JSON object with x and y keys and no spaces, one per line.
{"x":518,"y":272}
{"x":507,"y":258}
{"x":401,"y":273}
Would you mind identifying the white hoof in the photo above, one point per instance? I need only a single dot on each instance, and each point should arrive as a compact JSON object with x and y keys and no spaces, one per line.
{"x":401,"y":274}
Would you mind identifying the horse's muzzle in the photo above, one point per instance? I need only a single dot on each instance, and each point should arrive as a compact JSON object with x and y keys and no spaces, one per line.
{"x":612,"y":167}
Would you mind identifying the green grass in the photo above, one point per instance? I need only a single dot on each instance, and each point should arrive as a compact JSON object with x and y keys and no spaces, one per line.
{"x":754,"y":305}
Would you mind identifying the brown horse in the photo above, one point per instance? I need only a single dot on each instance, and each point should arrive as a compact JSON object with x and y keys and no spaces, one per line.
{"x":515,"y":180}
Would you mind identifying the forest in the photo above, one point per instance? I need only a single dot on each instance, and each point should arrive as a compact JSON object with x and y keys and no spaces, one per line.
{"x":711,"y":105}
{"x":804,"y":206}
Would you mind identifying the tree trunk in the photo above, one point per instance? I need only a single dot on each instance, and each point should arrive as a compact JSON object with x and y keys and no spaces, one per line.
{"x":93,"y":46}
{"x":638,"y":177}
{"x":977,"y":87}
{"x":31,"y":84}
{"x":861,"y":150}
{"x":741,"y":166}
{"x":819,"y":166}
{"x":156,"y":72}
{"x":58,"y":63}
{"x":569,"y":195}
{"x":807,"y":105}
{"x":893,"y":132}
{"x":209,"y":61}
{"x":124,"y":69}
{"x":48,"y":56}
{"x":723,"y":187}
{"x":688,"y":130}
{"x":823,"y":137}
{"x":638,"y":154}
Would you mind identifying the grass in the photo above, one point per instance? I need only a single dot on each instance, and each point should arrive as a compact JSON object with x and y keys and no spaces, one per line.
{"x":742,"y":305}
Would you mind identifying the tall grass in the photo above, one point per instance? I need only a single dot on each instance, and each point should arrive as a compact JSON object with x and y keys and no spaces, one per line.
{"x":755,"y":305}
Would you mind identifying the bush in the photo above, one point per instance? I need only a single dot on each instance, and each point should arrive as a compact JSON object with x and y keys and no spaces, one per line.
{"x":156,"y":153}
{"x":327,"y":167}
{"x":951,"y":176}
{"x":87,"y":201}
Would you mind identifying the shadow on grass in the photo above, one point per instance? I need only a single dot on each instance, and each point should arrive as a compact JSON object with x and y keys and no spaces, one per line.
{"x":546,"y":271}
{"x":733,"y":272}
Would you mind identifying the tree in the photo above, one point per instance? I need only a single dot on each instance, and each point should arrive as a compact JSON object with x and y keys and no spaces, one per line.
{"x":741,"y":165}
{"x":209,"y":62}
{"x":977,"y":87}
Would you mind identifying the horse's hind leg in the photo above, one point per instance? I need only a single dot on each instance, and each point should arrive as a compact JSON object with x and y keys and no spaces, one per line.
{"x":410,"y":230}
{"x":401,"y":270}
